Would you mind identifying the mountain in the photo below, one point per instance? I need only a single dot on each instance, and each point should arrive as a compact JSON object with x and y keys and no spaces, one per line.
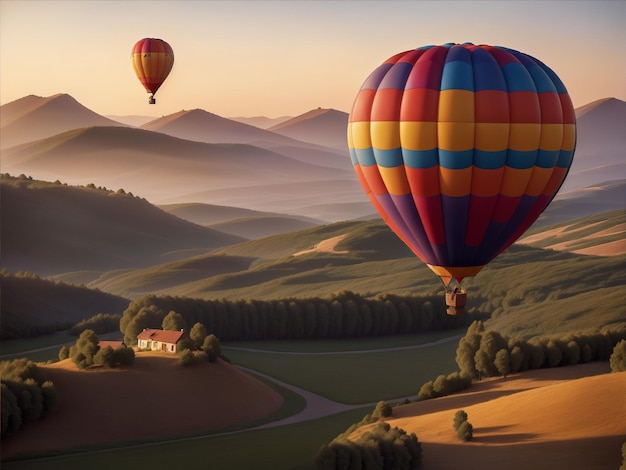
{"x":601,"y":145}
{"x":261,"y":122}
{"x":51,"y":228}
{"x":202,"y":126}
{"x":319,"y":126}
{"x":34,"y":117}
{"x":160,"y":167}
{"x":132,"y":120}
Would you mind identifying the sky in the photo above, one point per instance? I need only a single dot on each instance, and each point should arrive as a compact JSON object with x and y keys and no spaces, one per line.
{"x":286,"y":57}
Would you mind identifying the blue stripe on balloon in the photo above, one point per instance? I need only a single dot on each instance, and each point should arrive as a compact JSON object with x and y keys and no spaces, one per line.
{"x":558,"y":84}
{"x":388,"y":158}
{"x":420,"y":158}
{"x":541,"y":79}
{"x":547,"y":158}
{"x":565,"y":158}
{"x":457,"y":76}
{"x":365,"y":156}
{"x":517,"y":77}
{"x":353,"y":156}
{"x":396,"y":76}
{"x":456,"y":160}
{"x":489,"y":160}
{"x":487,"y":72}
{"x":521,"y":160}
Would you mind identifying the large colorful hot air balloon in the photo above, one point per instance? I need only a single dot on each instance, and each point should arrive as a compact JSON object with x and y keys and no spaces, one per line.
{"x":460,"y":147}
{"x":152,"y":60}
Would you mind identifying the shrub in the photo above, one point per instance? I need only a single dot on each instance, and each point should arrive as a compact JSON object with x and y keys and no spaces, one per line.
{"x":465,"y":431}
{"x":64,"y":353}
{"x":186,"y":358}
{"x":618,"y":357}
{"x":459,"y":417}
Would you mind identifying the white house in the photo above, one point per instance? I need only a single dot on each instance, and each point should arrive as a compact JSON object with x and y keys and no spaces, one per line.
{"x":160,"y":340}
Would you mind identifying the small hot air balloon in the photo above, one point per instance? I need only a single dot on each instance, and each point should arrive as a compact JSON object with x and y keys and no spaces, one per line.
{"x":460,"y":147}
{"x":152,"y":60}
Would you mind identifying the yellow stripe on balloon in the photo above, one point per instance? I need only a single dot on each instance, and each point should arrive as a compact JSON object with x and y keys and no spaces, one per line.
{"x":360,"y":132}
{"x":515,"y":181}
{"x":569,"y":137}
{"x":456,"y":136}
{"x":418,"y":135}
{"x":456,"y":106}
{"x":385,"y":135}
{"x":524,"y":137}
{"x":491,"y":137}
{"x":538,"y":180}
{"x":551,"y":136}
{"x":395,"y":180}
{"x":458,"y":272}
{"x":455,"y":183}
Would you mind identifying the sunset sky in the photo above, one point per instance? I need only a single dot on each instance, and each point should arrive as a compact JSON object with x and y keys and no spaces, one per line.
{"x":277,"y":58}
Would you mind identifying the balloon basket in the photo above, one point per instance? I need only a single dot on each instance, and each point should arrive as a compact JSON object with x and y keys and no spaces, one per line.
{"x":152,"y":100}
{"x":455,"y":301}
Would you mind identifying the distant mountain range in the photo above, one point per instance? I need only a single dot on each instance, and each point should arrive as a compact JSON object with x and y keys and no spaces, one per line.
{"x":299,"y":166}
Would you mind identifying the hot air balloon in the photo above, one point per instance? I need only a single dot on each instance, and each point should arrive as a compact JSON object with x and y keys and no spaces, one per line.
{"x":152,"y":60}
{"x":460,"y":147}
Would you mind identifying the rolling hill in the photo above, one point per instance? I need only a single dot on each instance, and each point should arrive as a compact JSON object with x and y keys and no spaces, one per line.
{"x":164,"y":168}
{"x":32,"y":306}
{"x":34,"y":117}
{"x":525,"y":421}
{"x":319,"y":126}
{"x":526,"y":288}
{"x":208,"y":396}
{"x":51,"y":228}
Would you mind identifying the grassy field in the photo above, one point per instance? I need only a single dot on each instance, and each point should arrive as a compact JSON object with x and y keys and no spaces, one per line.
{"x":290,"y":447}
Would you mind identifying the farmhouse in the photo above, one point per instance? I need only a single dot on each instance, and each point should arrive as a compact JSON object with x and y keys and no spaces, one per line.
{"x":160,"y":340}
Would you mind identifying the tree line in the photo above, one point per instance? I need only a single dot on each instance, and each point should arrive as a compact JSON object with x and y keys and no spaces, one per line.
{"x":26,"y":395}
{"x":340,"y":315}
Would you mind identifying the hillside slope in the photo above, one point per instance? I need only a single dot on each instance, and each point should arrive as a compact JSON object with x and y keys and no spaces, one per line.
{"x":545,"y":419}
{"x":154,"y":397}
{"x":32,"y":306}
{"x":51,"y":228}
{"x":34,"y":117}
{"x":320,"y":126}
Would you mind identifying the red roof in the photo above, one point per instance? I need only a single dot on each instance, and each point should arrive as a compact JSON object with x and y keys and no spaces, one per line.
{"x":113,"y":344}
{"x":164,"y":336}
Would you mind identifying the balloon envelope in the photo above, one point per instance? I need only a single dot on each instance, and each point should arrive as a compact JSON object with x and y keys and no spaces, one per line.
{"x":152,"y":60}
{"x":460,"y":147}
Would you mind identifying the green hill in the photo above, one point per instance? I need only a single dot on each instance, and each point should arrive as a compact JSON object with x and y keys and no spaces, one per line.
{"x":52,"y":228}
{"x":32,"y":306}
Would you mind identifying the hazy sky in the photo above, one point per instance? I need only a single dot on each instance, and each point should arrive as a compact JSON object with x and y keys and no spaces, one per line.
{"x":273,"y":58}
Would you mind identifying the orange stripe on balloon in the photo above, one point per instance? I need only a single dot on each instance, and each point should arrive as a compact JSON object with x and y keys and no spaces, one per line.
{"x":419,"y":104}
{"x":569,"y":137}
{"x":486,"y":183}
{"x":538,"y":180}
{"x":558,"y":175}
{"x":456,"y":106}
{"x":386,"y":105}
{"x":524,"y":137}
{"x":551,"y":136}
{"x":515,"y":181}
{"x":374,"y":181}
{"x":491,"y":137}
{"x":362,"y":105}
{"x":455,"y":183}
{"x":455,"y":136}
{"x":395,"y":180}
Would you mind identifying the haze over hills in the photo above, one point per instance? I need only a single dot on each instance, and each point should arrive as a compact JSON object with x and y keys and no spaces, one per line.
{"x":50,"y":228}
{"x":319,"y":126}
{"x":601,"y":145}
{"x":34,"y":117}
{"x":132,"y":120}
{"x":261,"y":122}
{"x":160,"y":167}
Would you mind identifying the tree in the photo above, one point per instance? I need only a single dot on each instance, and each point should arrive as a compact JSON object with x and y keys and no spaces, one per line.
{"x":459,"y":417}
{"x":105,"y":357}
{"x":465,"y":431}
{"x":186,"y":358}
{"x":617,"y":360}
{"x":197,"y":334}
{"x":86,"y":347}
{"x":173,"y":321}
{"x":64,"y":353}
{"x":503,"y":362}
{"x":212,"y":347}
